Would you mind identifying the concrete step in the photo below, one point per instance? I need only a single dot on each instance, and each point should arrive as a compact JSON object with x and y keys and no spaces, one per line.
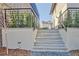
{"x":48,"y":53}
{"x":54,"y":41}
{"x":49,"y":48}
{"x":48,"y":38}
{"x":43,"y":38}
{"x":48,"y":30}
{"x":51,"y":45}
{"x":48,"y":34}
{"x":54,"y":50}
{"x":53,"y":36}
{"x":49,"y":42}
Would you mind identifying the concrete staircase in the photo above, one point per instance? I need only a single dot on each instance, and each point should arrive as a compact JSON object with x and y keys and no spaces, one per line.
{"x":49,"y":43}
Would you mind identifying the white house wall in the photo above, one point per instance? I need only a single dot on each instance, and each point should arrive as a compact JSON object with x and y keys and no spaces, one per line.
{"x":59,"y":7}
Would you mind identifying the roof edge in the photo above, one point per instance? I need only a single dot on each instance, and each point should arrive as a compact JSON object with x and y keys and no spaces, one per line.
{"x":52,"y":7}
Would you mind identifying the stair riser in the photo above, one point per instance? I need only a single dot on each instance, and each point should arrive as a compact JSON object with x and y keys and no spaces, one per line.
{"x":39,"y":46}
{"x":50,"y":48}
{"x":52,"y":39}
{"x":45,"y":35}
{"x":49,"y":43}
{"x":51,"y":54}
{"x":48,"y":38}
{"x":48,"y":33}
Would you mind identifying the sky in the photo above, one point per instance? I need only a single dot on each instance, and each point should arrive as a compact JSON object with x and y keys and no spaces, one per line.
{"x":44,"y":10}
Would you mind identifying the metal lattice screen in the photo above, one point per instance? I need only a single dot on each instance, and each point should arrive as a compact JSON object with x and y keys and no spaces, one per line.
{"x":19,"y":18}
{"x":70,"y":17}
{"x":1,"y":18}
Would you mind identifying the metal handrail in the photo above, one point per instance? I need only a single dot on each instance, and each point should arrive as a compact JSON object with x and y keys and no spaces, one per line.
{"x":35,"y":37}
{"x":65,"y":28}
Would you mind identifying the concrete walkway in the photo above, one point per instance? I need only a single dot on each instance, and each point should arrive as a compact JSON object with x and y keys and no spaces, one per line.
{"x":49,"y":43}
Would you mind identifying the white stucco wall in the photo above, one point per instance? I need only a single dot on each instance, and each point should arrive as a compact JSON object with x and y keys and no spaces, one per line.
{"x":34,"y":35}
{"x":15,"y":35}
{"x":63,"y":34}
{"x":60,"y":7}
{"x":71,"y":38}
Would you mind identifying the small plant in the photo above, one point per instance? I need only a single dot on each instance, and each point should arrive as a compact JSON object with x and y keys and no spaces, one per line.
{"x":13,"y":19}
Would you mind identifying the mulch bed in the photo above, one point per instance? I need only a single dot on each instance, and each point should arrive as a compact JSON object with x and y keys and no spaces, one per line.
{"x":74,"y":52}
{"x":14,"y":52}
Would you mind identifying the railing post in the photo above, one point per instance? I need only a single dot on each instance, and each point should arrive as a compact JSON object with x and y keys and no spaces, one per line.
{"x":5,"y":27}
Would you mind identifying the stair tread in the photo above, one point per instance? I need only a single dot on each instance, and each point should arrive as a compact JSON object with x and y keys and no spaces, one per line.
{"x":49,"y":40}
{"x":49,"y":37}
{"x":36,"y":46}
{"x":49,"y":43}
{"x":50,"y":53}
{"x":50,"y":48}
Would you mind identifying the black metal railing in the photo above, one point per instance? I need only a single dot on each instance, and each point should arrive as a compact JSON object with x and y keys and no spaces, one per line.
{"x":69,"y":18}
{"x":20,"y":18}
